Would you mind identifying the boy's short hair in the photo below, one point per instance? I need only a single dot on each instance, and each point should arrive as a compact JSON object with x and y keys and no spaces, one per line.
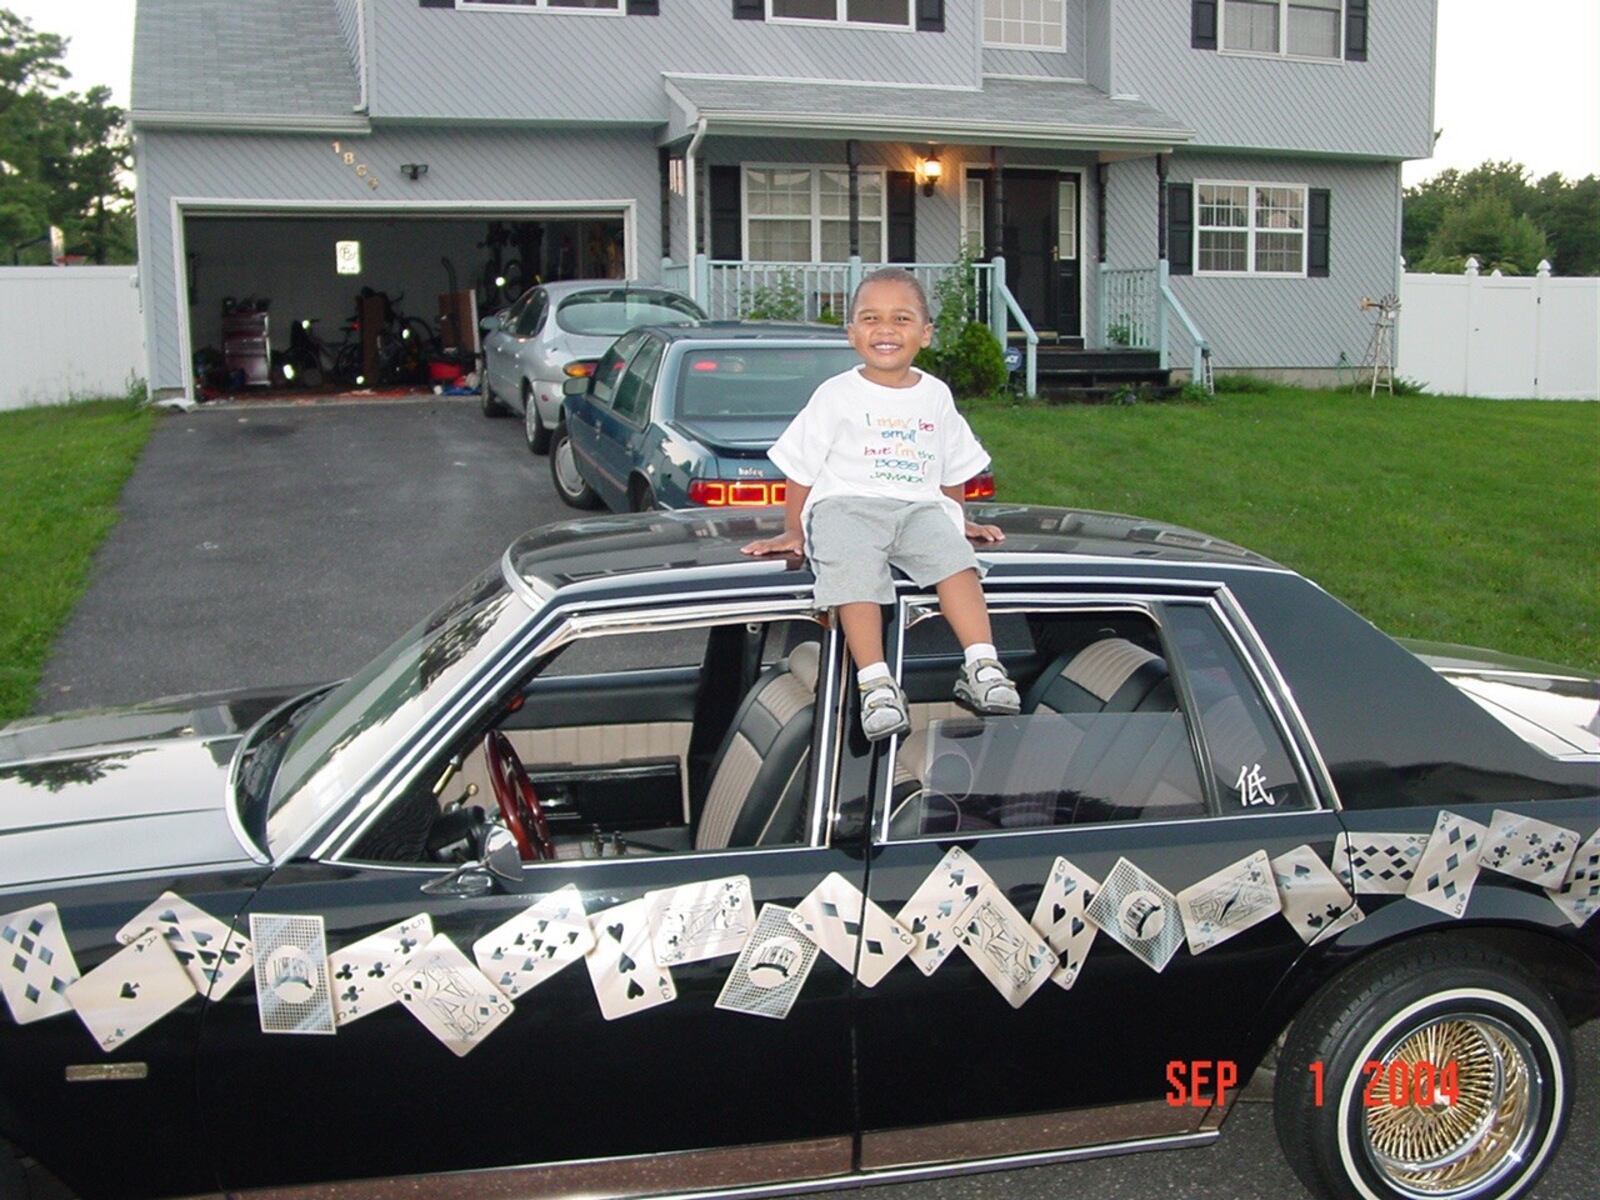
{"x":892,"y":275}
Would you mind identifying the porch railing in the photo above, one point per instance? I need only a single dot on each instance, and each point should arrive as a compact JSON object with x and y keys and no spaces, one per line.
{"x":675,"y":275}
{"x":731,"y":290}
{"x":1200,"y":349}
{"x":1128,"y":307}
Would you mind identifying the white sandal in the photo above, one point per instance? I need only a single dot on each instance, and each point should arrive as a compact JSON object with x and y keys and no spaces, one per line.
{"x":883,"y":709}
{"x":986,"y":689}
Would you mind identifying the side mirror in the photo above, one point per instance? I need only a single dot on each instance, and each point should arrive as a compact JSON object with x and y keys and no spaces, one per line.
{"x":500,"y":862}
{"x":492,"y":324}
{"x":578,"y":386}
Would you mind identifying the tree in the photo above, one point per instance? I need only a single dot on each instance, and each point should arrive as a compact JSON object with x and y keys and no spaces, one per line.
{"x":1490,"y":230}
{"x":1565,"y":213}
{"x":64,"y":156}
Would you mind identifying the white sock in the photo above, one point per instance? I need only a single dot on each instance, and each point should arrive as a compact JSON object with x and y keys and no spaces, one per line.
{"x":874,"y":672}
{"x":980,"y":650}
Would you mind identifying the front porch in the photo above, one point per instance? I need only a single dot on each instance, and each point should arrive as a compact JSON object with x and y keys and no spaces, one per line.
{"x":771,"y":209}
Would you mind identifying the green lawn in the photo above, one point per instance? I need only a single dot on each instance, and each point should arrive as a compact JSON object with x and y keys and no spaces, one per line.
{"x":61,"y":470}
{"x":1456,"y":520}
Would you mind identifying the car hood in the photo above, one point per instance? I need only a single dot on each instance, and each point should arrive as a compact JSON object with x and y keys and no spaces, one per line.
{"x":1554,"y":708}
{"x":118,"y":791}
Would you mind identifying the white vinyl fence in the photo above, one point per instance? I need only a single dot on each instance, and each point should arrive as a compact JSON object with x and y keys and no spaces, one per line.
{"x":1502,"y":337}
{"x":67,"y":333}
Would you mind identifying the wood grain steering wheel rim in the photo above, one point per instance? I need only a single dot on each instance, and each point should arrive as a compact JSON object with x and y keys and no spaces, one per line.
{"x":519,"y":804}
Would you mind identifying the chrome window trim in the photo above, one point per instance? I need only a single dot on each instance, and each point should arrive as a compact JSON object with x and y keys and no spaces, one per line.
{"x":1216,"y":596}
{"x":334,"y":824}
{"x":636,"y":617}
{"x":1261,"y":659}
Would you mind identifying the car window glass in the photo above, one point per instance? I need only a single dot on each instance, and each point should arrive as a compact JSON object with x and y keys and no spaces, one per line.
{"x":512,"y":315}
{"x":741,"y":382}
{"x":608,"y":371}
{"x":613,"y":311}
{"x":1101,"y":735}
{"x":632,"y":402}
{"x":528,"y":323}
{"x":1248,"y":758}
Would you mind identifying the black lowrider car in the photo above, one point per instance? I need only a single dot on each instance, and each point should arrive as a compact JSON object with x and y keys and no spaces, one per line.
{"x":590,"y":885}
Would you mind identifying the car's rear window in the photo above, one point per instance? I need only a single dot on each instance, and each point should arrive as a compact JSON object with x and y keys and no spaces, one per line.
{"x":756,"y":381}
{"x":613,"y":311}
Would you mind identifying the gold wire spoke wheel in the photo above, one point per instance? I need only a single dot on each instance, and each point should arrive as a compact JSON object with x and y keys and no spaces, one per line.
{"x":1460,"y":1145}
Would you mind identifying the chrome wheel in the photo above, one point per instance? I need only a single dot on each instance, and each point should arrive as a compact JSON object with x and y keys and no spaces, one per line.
{"x":1463,"y":1147}
{"x":567,"y":469}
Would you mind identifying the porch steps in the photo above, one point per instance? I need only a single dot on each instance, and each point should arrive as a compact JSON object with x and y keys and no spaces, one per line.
{"x":1067,"y":373}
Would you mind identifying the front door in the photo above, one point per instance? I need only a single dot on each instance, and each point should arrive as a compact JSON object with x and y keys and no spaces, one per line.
{"x":1068,"y":282}
{"x":1146,"y":777}
{"x":1028,"y":241}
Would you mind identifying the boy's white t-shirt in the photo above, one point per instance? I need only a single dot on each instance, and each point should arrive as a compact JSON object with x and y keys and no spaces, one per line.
{"x":859,"y":438}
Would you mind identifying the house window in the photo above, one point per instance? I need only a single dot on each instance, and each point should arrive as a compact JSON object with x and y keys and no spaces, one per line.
{"x":1250,"y":229}
{"x":1024,"y":24}
{"x":614,"y":6}
{"x":1290,"y":28}
{"x":972,"y":231}
{"x":802,"y":214}
{"x":894,"y":13}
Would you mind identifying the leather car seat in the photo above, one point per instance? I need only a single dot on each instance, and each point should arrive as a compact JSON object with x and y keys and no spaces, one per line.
{"x":757,"y":787}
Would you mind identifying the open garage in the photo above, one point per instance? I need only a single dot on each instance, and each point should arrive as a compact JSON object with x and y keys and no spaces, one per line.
{"x":381,"y":301}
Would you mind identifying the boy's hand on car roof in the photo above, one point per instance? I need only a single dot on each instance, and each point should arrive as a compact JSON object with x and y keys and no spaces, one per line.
{"x":784,"y":543}
{"x":985,"y":533}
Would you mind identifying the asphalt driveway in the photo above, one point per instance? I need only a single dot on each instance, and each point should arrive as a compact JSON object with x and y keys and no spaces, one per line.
{"x":286,"y":544}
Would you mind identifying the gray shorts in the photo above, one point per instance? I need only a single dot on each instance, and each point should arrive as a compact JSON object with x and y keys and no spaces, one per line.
{"x":852,"y":542}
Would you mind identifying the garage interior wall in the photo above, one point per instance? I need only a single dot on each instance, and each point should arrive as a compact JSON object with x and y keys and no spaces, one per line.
{"x":291,"y":263}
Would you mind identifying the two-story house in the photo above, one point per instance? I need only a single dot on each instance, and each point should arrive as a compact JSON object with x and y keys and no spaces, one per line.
{"x":1139,"y":173}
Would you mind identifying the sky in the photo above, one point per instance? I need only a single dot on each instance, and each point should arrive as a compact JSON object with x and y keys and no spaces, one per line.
{"x":1515,"y":81}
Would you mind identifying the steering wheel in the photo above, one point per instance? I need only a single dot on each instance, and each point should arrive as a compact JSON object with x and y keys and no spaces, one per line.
{"x":513,"y":792}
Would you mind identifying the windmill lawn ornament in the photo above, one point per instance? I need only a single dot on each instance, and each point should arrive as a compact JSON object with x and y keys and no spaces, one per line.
{"x":1380,"y":350}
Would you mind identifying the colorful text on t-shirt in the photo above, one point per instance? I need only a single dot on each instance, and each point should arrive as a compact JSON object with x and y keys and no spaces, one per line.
{"x":896,"y":455}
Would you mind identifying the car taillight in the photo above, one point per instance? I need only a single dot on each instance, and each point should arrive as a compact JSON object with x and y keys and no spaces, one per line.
{"x":737,"y":493}
{"x":581,"y":369}
{"x":980,"y":487}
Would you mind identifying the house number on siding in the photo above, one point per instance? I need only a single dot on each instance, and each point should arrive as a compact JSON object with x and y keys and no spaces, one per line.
{"x":360,"y":168}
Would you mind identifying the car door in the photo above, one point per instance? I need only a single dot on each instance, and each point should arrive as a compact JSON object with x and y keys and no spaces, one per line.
{"x":524,"y":358}
{"x":557,"y":1077}
{"x":621,"y":429}
{"x":1148,"y":760}
{"x":499,"y":348}
{"x":586,"y":415}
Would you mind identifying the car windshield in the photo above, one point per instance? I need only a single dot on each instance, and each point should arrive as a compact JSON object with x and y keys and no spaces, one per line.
{"x":611,"y":312}
{"x":351,"y":730}
{"x":756,"y":381}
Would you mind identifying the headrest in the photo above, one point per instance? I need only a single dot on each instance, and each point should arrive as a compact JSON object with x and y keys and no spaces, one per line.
{"x":803,"y":664}
{"x":1104,"y":666}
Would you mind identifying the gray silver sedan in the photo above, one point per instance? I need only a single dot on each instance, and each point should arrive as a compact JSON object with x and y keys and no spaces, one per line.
{"x":556,"y":331}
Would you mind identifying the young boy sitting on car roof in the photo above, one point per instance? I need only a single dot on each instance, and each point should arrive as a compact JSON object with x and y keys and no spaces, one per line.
{"x":876,"y":463}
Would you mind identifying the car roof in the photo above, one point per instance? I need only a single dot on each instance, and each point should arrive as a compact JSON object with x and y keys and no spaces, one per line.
{"x":736,"y":331}
{"x":699,"y":549}
{"x":566,"y":287}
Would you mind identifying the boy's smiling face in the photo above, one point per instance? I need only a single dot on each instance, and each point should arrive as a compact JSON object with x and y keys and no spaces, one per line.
{"x":887,"y":329}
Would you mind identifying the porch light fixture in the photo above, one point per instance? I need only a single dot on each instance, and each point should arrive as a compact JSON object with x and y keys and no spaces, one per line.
{"x":413,"y":171}
{"x":929,"y":172}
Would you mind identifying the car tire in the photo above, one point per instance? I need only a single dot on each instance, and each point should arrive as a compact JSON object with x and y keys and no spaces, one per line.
{"x":642,"y":497}
{"x":533,"y":427}
{"x":564,"y":473}
{"x":1432,"y":1002}
{"x":488,"y":400}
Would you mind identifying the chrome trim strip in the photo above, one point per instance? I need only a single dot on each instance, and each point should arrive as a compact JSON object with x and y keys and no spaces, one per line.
{"x":725,"y":1171}
{"x":1500,"y":673}
{"x":232,"y":785}
{"x":149,"y":873}
{"x":1246,"y":629}
{"x":926,"y":1145}
{"x":480,"y":1181}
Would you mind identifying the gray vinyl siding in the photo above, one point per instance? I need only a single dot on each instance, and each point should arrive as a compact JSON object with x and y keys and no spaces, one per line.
{"x":1265,"y":322}
{"x":529,"y":65}
{"x":350,"y":30}
{"x":1067,"y":64}
{"x":1097,"y":44}
{"x":484,"y":167}
{"x":1382,"y":108}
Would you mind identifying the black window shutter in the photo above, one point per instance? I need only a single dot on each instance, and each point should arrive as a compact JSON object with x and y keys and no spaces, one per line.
{"x":902,"y":206}
{"x":1180,"y":228}
{"x":749,"y":10}
{"x":436,"y":3}
{"x":1203,"y":24}
{"x":1355,"y":30}
{"x":930,"y":16}
{"x":1317,"y":234}
{"x":727,"y":232}
{"x":644,"y":8}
